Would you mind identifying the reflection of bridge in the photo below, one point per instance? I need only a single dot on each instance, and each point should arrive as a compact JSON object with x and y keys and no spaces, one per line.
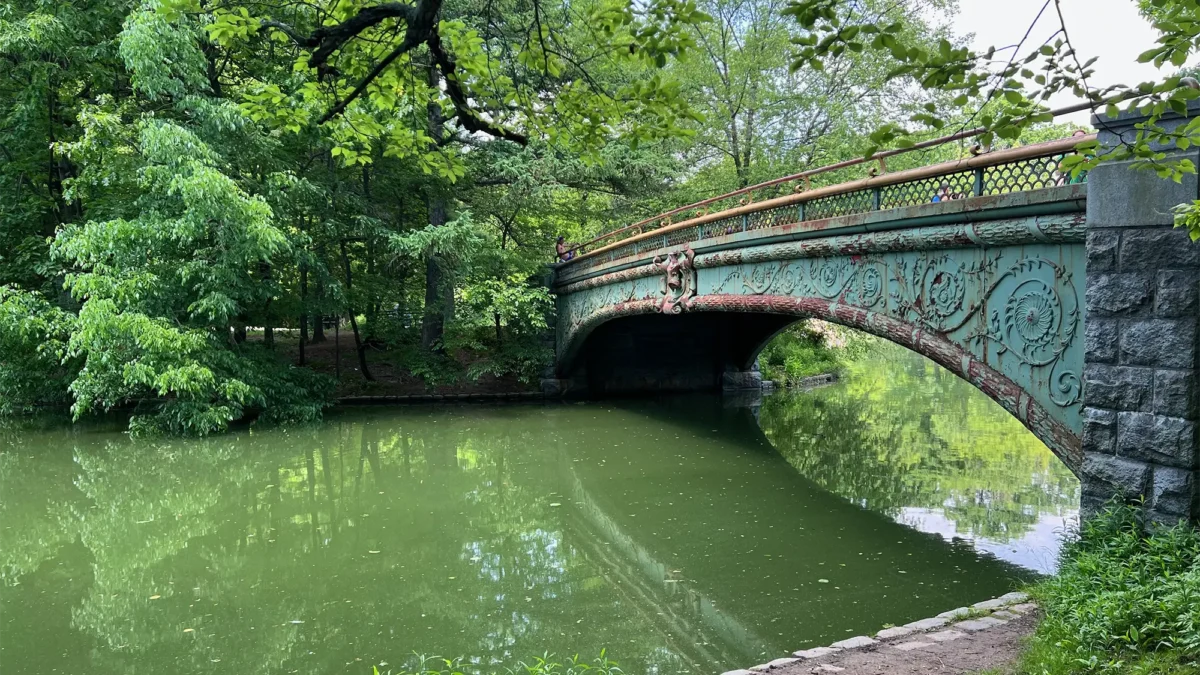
{"x":1078,"y":315}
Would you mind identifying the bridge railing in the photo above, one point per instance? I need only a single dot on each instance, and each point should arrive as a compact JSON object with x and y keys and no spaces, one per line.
{"x":998,"y":172}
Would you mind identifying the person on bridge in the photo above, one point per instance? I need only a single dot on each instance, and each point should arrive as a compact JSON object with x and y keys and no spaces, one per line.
{"x":563,"y":254}
{"x":944,"y":194}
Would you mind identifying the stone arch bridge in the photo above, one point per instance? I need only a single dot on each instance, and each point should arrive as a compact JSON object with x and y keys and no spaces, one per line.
{"x":1073,"y":303}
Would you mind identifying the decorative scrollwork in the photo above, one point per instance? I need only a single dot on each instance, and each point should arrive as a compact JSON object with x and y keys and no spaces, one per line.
{"x":678,"y":284}
{"x":1033,"y":311}
{"x":870,"y":286}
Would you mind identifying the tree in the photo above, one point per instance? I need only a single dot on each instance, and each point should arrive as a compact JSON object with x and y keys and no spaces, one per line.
{"x":770,"y":120}
{"x":192,"y":173}
{"x":1010,"y":97}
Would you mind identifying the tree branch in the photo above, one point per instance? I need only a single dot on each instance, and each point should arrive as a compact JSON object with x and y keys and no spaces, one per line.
{"x":467,"y":117}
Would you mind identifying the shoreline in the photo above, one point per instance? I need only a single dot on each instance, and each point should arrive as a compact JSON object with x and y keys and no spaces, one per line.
{"x":916,"y":646}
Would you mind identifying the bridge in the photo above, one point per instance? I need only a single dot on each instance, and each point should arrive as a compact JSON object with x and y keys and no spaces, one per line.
{"x":1071,"y":301}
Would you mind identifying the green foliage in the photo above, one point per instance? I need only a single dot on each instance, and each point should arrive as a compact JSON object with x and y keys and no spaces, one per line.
{"x":810,"y":348}
{"x":1126,"y":600}
{"x":34,"y":368}
{"x":1011,"y":99}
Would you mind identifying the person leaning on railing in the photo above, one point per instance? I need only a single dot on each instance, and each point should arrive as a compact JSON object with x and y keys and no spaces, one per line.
{"x":562,"y":249}
{"x":944,"y":194}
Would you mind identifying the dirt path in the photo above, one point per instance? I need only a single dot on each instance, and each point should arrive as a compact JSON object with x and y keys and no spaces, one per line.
{"x":996,"y":648}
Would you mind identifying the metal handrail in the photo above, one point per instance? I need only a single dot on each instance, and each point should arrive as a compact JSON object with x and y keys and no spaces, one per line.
{"x":978,"y":162}
{"x":662,"y":221}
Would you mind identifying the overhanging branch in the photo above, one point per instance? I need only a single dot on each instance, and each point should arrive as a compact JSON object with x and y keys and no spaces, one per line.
{"x":421,"y":20}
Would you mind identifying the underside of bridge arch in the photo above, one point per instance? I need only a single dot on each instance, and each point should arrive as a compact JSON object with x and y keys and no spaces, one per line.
{"x":633,"y":349}
{"x":652,"y":353}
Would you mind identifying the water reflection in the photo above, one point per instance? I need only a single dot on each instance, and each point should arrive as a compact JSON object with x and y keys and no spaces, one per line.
{"x":905,"y":437}
{"x":673,"y":534}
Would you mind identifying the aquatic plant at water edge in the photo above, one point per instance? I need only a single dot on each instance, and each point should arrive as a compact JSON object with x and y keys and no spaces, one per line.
{"x":1126,"y":600}
{"x":546,"y":664}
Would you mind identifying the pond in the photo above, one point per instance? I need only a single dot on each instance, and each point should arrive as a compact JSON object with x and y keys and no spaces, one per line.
{"x":681,"y":535}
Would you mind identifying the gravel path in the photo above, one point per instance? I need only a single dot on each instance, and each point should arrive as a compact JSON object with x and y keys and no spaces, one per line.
{"x":996,"y":647}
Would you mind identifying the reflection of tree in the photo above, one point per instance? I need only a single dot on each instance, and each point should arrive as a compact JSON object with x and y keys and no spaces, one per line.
{"x":901,"y":431}
{"x":384,"y":533}
{"x":377,"y":537}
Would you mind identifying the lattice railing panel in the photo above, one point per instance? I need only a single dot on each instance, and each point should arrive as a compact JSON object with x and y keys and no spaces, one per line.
{"x":925,"y":190}
{"x":1023,"y":175}
{"x":862,"y":201}
{"x":1014,"y":175}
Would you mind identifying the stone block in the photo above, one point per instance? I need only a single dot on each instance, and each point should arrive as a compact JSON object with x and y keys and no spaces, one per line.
{"x":781,"y":662}
{"x":928,"y":624}
{"x":1102,"y":248}
{"x":911,"y":645}
{"x":1014,"y":597}
{"x":1023,"y":608}
{"x":982,"y":623}
{"x":1105,"y":475}
{"x":1121,"y":196}
{"x":1162,"y":343}
{"x":989,"y":605}
{"x":554,"y":387}
{"x":1099,"y":431}
{"x":739,"y":671}
{"x":1177,"y":293}
{"x":1156,"y":438}
{"x":1004,"y":615}
{"x":1119,"y":387}
{"x":1121,"y":294}
{"x":743,"y":379}
{"x":952,"y":614}
{"x":1093,"y":499}
{"x":1123,"y":127}
{"x":855,"y":642}
{"x":1101,"y":340}
{"x":828,"y":668}
{"x":1157,"y":249}
{"x":893,"y":632}
{"x":946,"y":635}
{"x":1174,"y":491}
{"x":815,"y":652}
{"x":1175,"y":393}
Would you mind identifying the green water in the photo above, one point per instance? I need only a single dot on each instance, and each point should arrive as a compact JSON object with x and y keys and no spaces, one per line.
{"x":681,"y":535}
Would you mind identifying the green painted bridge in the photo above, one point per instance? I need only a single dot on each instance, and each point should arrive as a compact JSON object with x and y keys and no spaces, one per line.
{"x":1073,"y":303}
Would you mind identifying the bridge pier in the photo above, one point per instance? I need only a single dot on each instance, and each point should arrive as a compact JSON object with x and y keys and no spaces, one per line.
{"x":1142,"y":309}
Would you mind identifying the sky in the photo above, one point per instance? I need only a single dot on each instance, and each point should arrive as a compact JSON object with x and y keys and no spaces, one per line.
{"x":1110,"y":29}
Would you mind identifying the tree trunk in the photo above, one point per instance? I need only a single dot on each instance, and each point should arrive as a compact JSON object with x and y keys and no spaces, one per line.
{"x":303,"y":315}
{"x":318,"y":329}
{"x":360,"y":347}
{"x":433,"y":319}
{"x":264,"y":275}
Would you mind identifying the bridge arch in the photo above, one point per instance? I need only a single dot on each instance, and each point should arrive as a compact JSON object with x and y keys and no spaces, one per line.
{"x":641,"y":358}
{"x":994,"y":284}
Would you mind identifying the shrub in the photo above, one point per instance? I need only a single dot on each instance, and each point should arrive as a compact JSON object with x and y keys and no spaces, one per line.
{"x":1126,"y":600}
{"x":810,"y":348}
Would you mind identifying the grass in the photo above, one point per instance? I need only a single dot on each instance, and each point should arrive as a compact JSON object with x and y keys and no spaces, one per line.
{"x":1126,"y":600}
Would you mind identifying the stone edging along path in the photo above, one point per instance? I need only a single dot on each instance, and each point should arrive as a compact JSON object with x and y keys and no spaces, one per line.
{"x":944,"y":627}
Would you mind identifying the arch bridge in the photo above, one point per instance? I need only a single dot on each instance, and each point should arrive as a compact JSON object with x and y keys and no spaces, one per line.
{"x":1072,"y":302}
